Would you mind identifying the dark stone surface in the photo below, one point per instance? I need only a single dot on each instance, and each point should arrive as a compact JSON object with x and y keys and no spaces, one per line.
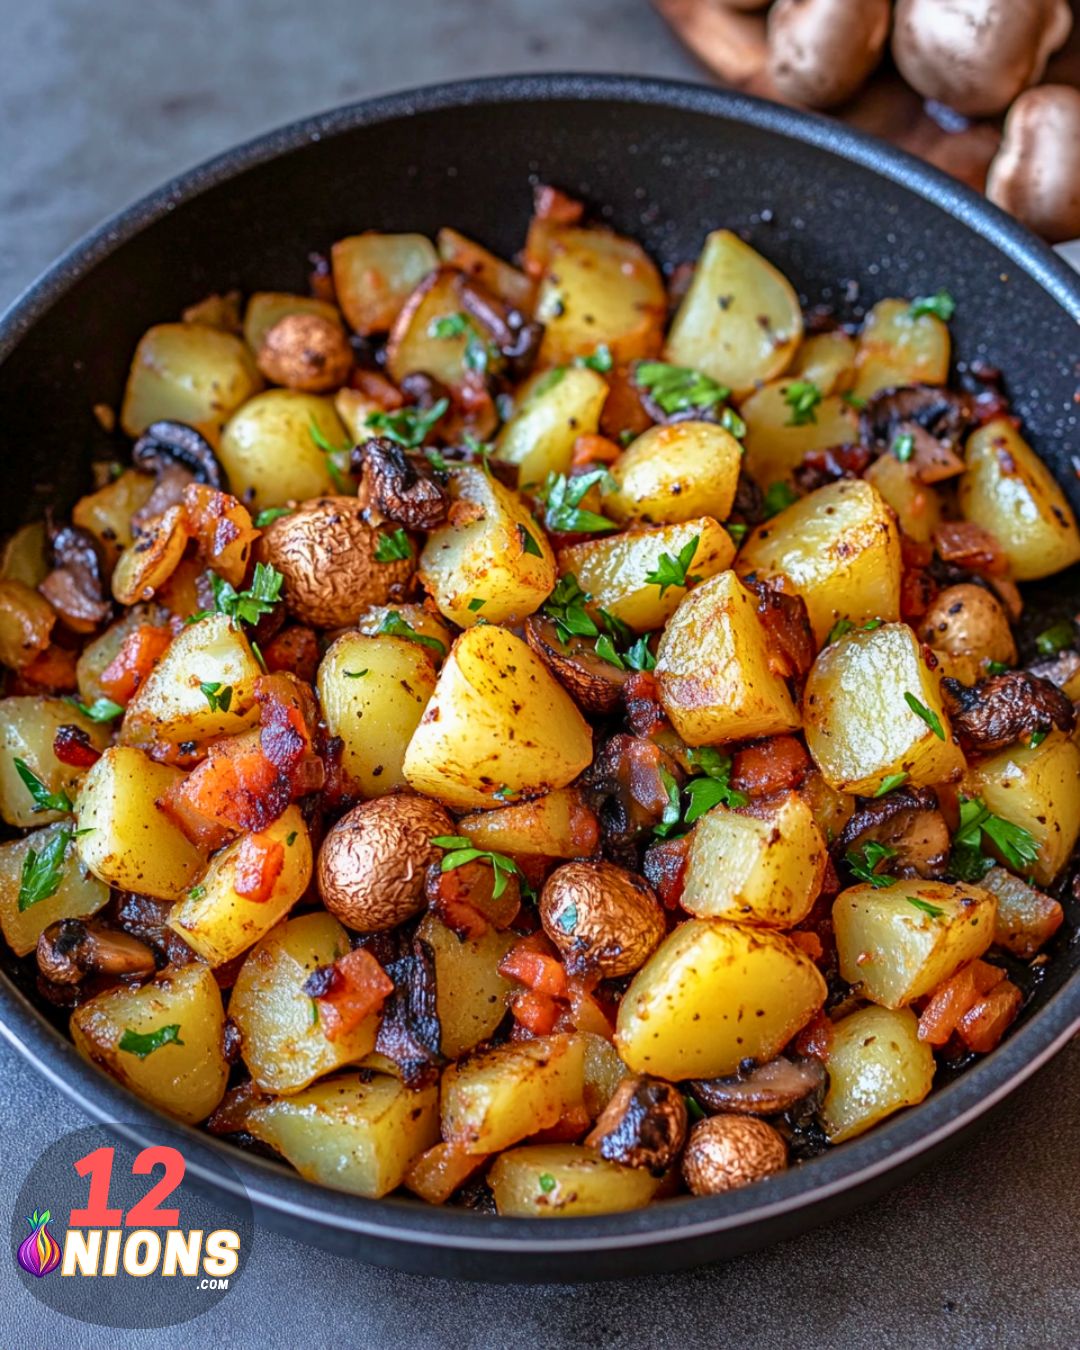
{"x":98,"y":103}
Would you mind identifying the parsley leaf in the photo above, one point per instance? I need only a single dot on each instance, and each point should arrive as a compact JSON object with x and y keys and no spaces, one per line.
{"x":932,"y":720}
{"x":477,"y":603}
{"x":354,"y":674}
{"x":394,"y":625}
{"x":566,"y":606}
{"x":449,"y":326}
{"x":977,"y":825}
{"x":671,"y":571}
{"x":996,"y":668}
{"x":778,"y":497}
{"x":942,"y":305}
{"x":672,"y":816}
{"x":737,"y":530}
{"x":904,"y":446}
{"x":864,"y":861}
{"x":844,"y":626}
{"x":600,"y":360}
{"x":246,"y":606}
{"x":716,"y":768}
{"x":854,"y":400}
{"x":546,"y":1182}
{"x":145,"y":1043}
{"x":218,"y":698}
{"x":640,"y":655}
{"x":732,"y":422}
{"x":392,"y":547}
{"x":1056,"y":638}
{"x":334,"y":455}
{"x":44,"y":800}
{"x":528,"y":543}
{"x":547,"y":382}
{"x":437,"y":461}
{"x":101,"y":710}
{"x":562,"y":496}
{"x":407,"y":426}
{"x":42,"y":872}
{"x":802,"y":397}
{"x":677,"y":389}
{"x":271,"y":514}
{"x":460,"y":850}
{"x":935,"y":911}
{"x":890,"y":781}
{"x":605,"y":650}
{"x":1037,"y":738}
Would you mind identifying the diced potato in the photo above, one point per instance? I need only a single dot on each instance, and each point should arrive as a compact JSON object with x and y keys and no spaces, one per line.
{"x":716,"y":679}
{"x":895,"y":348}
{"x":491,"y":549}
{"x":267,"y":308}
{"x":1038,"y":789}
{"x":877,"y":1064}
{"x":172,"y":706}
{"x":557,"y":825}
{"x":831,"y":809}
{"x":762,"y":869}
{"x":827,"y":360}
{"x":604,"y":1071}
{"x":671,"y":474}
{"x":1009,"y":491}
{"x":415,"y":343}
{"x":776,"y":445}
{"x":353,"y":1134}
{"x":838,"y":548}
{"x":439,"y":1171}
{"x":162,"y":1041}
{"x":77,"y":896}
{"x":497,"y":720}
{"x":897,"y":943}
{"x":96,"y":656}
{"x":107,"y":512}
{"x":268,"y":450}
{"x":372,"y":691}
{"x":509,"y":284}
{"x":470,"y":994}
{"x":1026,"y":918}
{"x":740,"y":321}
{"x":23,"y":558}
{"x":860,"y":727}
{"x":598,"y":289}
{"x":187,"y":372}
{"x":559,"y":1181}
{"x":282,"y":1040}
{"x":374,"y":274}
{"x":28,"y":727}
{"x":917,"y":506}
{"x":123,"y":837}
{"x":26,"y":624}
{"x":493,"y":1099}
{"x":712,"y":995}
{"x":555,"y":409}
{"x":216,"y":921}
{"x":615,"y":570}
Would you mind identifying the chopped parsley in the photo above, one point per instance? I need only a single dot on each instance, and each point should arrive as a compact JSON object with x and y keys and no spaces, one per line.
{"x":395,"y":626}
{"x":546,"y":1182}
{"x":449,"y":326}
{"x":733,"y":423}
{"x":437,"y":461}
{"x":101,"y":710}
{"x":477,"y":352}
{"x":333,"y":453}
{"x":476,"y":603}
{"x":271,"y":514}
{"x":1056,"y":638}
{"x":854,"y":400}
{"x":407,"y":426}
{"x":197,"y":892}
{"x":671,"y":571}
{"x":802,"y":397}
{"x":671,"y":818}
{"x":865,"y":860}
{"x":562,"y":495}
{"x":904,"y":446}
{"x":935,"y":911}
{"x":1037,"y":738}
{"x":711,"y":786}
{"x":932,"y":720}
{"x":44,"y":800}
{"x":600,"y":360}
{"x":639,"y":655}
{"x":890,"y":781}
{"x":737,"y":530}
{"x":676,"y":389}
{"x":844,"y":626}
{"x":218,"y":697}
{"x":393,"y":547}
{"x":528,"y":542}
{"x":547,"y":382}
{"x":42,"y":872}
{"x":778,"y":497}
{"x":145,"y":1043}
{"x":566,"y":607}
{"x":290,"y":839}
{"x":354,"y":674}
{"x":941,"y":305}
{"x":460,"y":850}
{"x":245,"y":606}
{"x":996,"y":668}
{"x":978,"y":825}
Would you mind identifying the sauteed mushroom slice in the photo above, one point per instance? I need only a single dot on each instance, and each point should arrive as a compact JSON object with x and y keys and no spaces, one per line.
{"x":76,"y":586}
{"x":935,"y":418}
{"x":595,"y":684}
{"x":997,"y":712}
{"x":643,"y":1125}
{"x":765,"y":1089}
{"x":171,"y":445}
{"x":907,"y":821}
{"x":71,"y":949}
{"x":398,"y":486}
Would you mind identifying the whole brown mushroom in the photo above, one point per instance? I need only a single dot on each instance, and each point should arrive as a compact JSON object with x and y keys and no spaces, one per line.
{"x":643,"y":1125}
{"x":373,"y":862}
{"x":821,"y":51}
{"x":306,"y":351}
{"x":327,"y":554}
{"x":601,"y":917}
{"x":966,"y":621}
{"x":726,"y":1152}
{"x":976,"y":55}
{"x":1036,"y":173}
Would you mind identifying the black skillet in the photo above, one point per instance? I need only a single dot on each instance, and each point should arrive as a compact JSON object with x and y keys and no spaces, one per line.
{"x":847,"y":218}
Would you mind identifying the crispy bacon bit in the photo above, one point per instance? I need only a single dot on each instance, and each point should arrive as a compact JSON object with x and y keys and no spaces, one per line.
{"x":534,"y":1010}
{"x":810,"y":943}
{"x":235,"y":789}
{"x":778,"y":764}
{"x":258,"y":866}
{"x":643,"y":709}
{"x":569,"y":1128}
{"x":409,"y":1033}
{"x":791,"y":639}
{"x":936,"y":419}
{"x":830,"y":463}
{"x":295,"y":650}
{"x":348,"y":991}
{"x":969,"y":546}
{"x":464,"y":899}
{"x":917,"y":587}
{"x":532,"y":962}
{"x":71,"y":745}
{"x":287,"y":719}
{"x":381,"y":391}
{"x":955,"y":998}
{"x":664,"y":866}
{"x":137,"y":657}
{"x":54,"y":669}
{"x":592,"y":449}
{"x":814,"y":1040}
{"x":987,"y":1020}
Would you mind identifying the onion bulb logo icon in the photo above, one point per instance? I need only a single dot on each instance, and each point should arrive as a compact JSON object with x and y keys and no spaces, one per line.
{"x":39,"y":1252}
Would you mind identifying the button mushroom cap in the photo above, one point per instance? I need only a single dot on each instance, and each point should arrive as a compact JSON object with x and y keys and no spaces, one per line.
{"x":997,"y":712}
{"x":643,"y":1125}
{"x":725,"y":1152}
{"x":306,"y":351}
{"x":602,"y":918}
{"x":1036,"y":173}
{"x":966,"y":620}
{"x":326,"y":552}
{"x":765,"y":1089}
{"x":821,"y":51}
{"x":976,"y":55}
{"x":373,"y":861}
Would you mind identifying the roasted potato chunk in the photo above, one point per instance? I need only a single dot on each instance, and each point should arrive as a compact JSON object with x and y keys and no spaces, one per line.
{"x":776,"y":443}
{"x":897,"y":347}
{"x":877,"y":1065}
{"x":555,"y":409}
{"x":24,"y":915}
{"x":28,"y":728}
{"x":374,"y":275}
{"x":470,"y":994}
{"x":672,"y":474}
{"x":270,"y":454}
{"x":554,"y":1181}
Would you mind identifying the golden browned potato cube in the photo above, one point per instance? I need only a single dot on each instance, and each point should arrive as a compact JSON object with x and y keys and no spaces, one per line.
{"x":470,"y":994}
{"x":917,"y":505}
{"x":495,"y":1098}
{"x":776,"y":444}
{"x":1037,"y":788}
{"x":897,"y":348}
{"x":740,"y":321}
{"x":350,"y":1132}
{"x":269,"y":453}
{"x":860,"y":718}
{"x":1026,"y":918}
{"x":28,"y":727}
{"x":107,"y":512}
{"x":507,"y":282}
{"x":762,"y":869}
{"x":23,"y":555}
{"x":433,"y":333}
{"x":1008,"y":490}
{"x":553,"y":410}
{"x":283,"y":1042}
{"x":712,"y":665}
{"x":899,"y":942}
{"x":877,"y":1064}
{"x":374,"y":274}
{"x":712,"y":995}
{"x":827,"y":360}
{"x":557,"y":1181}
{"x":77,"y":896}
{"x":96,"y":656}
{"x":838,"y":548}
{"x":674,"y":473}
{"x":163,"y":1041}
{"x":498,"y":720}
{"x":615,"y":570}
{"x":557,"y":825}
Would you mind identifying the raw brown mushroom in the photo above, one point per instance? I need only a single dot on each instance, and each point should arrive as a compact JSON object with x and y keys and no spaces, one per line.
{"x":595,"y":684}
{"x":326,"y":552}
{"x":997,"y":712}
{"x":71,"y":949}
{"x":399,"y":486}
{"x":976,"y":55}
{"x":966,"y":620}
{"x":765,"y":1089}
{"x":306,"y":351}
{"x":373,"y":862}
{"x":601,"y":917}
{"x":726,"y":1152}
{"x":908,"y":821}
{"x":821,"y":51}
{"x":643,"y":1125}
{"x":731,"y":43}
{"x":1036,"y":173}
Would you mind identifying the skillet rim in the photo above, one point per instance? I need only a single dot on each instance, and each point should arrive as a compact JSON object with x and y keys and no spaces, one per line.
{"x":889,"y":1147}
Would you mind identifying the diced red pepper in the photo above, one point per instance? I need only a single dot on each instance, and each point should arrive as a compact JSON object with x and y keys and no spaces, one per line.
{"x":954,"y":998}
{"x":258,"y":865}
{"x":137,"y":657}
{"x":985,"y":1022}
{"x":71,"y":745}
{"x":775,"y":765}
{"x":537,"y":1012}
{"x":529,"y":961}
{"x":54,"y":669}
{"x":358,"y":987}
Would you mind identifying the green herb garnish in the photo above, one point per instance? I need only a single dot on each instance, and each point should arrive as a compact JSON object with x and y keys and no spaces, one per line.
{"x":904,"y":446}
{"x":864,"y":861}
{"x":407,"y":426}
{"x":44,"y":800}
{"x":333,"y":454}
{"x":737,"y":530}
{"x":290,"y":839}
{"x":271,"y":514}
{"x":1056,"y":638}
{"x":546,"y":1182}
{"x":218,"y":697}
{"x":640,"y":656}
{"x":671,"y":818}
{"x":941,"y":305}
{"x":101,"y":710}
{"x":977,"y":825}
{"x":392,"y":547}
{"x":548,"y":381}
{"x":802,"y":397}
{"x":476,"y":603}
{"x":395,"y":626}
{"x":733,"y":423}
{"x":671,"y":571}
{"x":566,"y":607}
{"x":197,"y":892}
{"x":562,"y":496}
{"x":996,"y":668}
{"x":935,"y":911}
{"x":890,"y":781}
{"x":528,"y":543}
{"x":778,"y":497}
{"x":676,"y":389}
{"x":600,"y":360}
{"x":143,"y":1044}
{"x":932,"y":720}
{"x":449,"y":326}
{"x":42,"y":872}
{"x":244,"y":606}
{"x":461,"y":850}
{"x":354,"y":674}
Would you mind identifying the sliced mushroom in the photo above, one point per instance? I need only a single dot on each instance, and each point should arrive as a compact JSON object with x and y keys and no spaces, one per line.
{"x":996,"y":712}
{"x":595,"y":684}
{"x":935,"y":418}
{"x":908,"y":821}
{"x":167,"y":445}
{"x":792,"y":648}
{"x":765,"y":1089}
{"x":726,"y":1152}
{"x":410,"y":1033}
{"x":643,"y":1125}
{"x":71,"y":949}
{"x":627,"y":786}
{"x":601,"y":917}
{"x":516,"y":338}
{"x":76,"y":586}
{"x":398,"y":486}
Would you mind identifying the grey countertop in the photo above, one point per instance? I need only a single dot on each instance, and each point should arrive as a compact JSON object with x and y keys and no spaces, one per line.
{"x":99,"y":101}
